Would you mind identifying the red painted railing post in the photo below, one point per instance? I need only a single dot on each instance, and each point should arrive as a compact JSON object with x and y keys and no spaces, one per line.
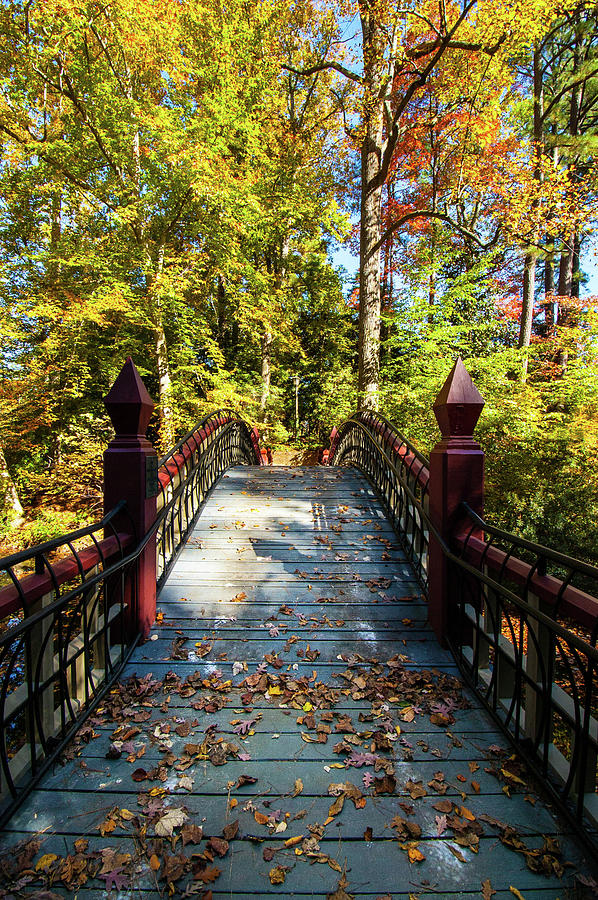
{"x":456,"y":474}
{"x":131,"y":474}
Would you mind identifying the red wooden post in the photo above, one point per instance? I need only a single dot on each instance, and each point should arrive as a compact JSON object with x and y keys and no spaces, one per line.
{"x":131,"y":474}
{"x":456,"y":474}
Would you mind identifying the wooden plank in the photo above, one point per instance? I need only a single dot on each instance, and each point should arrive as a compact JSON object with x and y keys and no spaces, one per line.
{"x":377,"y":865}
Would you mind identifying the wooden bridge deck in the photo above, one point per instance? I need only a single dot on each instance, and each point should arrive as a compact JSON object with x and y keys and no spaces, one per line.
{"x":294,"y":708}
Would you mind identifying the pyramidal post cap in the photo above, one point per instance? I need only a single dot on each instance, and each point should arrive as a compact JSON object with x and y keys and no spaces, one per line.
{"x":128,"y":403}
{"x":459,"y":404}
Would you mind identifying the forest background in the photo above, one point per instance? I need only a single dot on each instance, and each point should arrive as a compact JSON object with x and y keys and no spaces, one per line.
{"x":176,"y":179}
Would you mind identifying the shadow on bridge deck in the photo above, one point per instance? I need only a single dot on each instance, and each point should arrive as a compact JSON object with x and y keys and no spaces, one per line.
{"x":293,"y":705}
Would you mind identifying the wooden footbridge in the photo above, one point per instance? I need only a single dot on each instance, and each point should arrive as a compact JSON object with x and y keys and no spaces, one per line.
{"x":292,"y":725}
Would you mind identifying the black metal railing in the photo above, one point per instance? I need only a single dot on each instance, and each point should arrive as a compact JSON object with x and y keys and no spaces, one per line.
{"x":399,"y":474}
{"x":189,"y":472}
{"x":523,"y":622}
{"x":63,"y":640}
{"x":524,"y":631}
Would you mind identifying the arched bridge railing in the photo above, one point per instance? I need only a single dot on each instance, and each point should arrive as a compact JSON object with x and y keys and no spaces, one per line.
{"x":73,"y":609}
{"x":399,"y":473}
{"x":187,"y":474}
{"x":520,"y":619}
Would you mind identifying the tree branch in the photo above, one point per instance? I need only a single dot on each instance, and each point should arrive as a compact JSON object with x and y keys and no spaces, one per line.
{"x":322,"y":67}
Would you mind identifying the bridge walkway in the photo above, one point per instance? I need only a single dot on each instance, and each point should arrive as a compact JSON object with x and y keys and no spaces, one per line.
{"x":293,"y":728}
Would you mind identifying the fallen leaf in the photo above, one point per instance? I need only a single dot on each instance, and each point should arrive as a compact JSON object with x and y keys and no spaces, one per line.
{"x":191,"y":834}
{"x":340,"y":892}
{"x":415,"y":789}
{"x":415,"y":855}
{"x":245,"y":779}
{"x":43,"y":864}
{"x":172,"y":819}
{"x":336,"y":806}
{"x":298,"y":788}
{"x":291,"y":842}
{"x":218,"y":845}
{"x":514,"y":890}
{"x":443,"y":806}
{"x":487,"y":890}
{"x":230,"y":831}
{"x":154,"y":862}
{"x":457,"y":853}
{"x":208,"y":875}
{"x":278,"y":874}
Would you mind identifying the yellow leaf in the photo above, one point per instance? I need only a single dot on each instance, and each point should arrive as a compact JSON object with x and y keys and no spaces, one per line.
{"x":290,"y":842}
{"x":307,"y":707}
{"x":512,"y":777}
{"x":514,"y":890}
{"x":467,"y":814}
{"x":43,"y":864}
{"x":277,"y":875}
{"x":415,"y":855}
{"x":127,"y":815}
{"x":154,"y":862}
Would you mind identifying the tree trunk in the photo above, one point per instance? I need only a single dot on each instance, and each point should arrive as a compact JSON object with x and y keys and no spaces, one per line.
{"x":529,"y":264}
{"x":551,"y":308}
{"x":527,"y":308}
{"x":161,"y":351}
{"x":575,"y":274}
{"x":221,"y":314}
{"x":10,"y":505}
{"x":164,"y":389}
{"x":369,"y":263}
{"x":266,"y":371}
{"x":566,"y":266}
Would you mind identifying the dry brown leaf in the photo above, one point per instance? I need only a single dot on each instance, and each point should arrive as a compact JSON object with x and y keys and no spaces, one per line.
{"x":218,"y":845}
{"x":208,"y":875}
{"x":230,"y":831}
{"x":298,"y":787}
{"x":487,"y":890}
{"x":415,"y":789}
{"x":191,"y":834}
{"x":340,"y":892}
{"x":443,"y":806}
{"x":336,"y":806}
{"x":457,"y":853}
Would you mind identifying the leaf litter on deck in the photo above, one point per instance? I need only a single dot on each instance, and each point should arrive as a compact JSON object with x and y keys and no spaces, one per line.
{"x":182,"y":857}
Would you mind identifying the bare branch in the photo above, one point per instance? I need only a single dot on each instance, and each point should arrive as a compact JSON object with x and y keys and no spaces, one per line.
{"x":322,"y":67}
